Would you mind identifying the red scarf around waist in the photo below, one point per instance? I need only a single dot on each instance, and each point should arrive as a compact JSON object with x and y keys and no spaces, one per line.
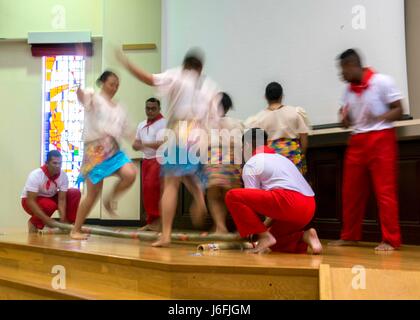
{"x":361,"y":87}
{"x":263,"y":149}
{"x":51,"y":178}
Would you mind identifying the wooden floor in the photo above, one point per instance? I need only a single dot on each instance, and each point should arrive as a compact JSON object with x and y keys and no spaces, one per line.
{"x":112,"y":268}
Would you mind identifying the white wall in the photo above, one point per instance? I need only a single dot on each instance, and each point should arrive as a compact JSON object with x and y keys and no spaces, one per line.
{"x":249,"y":43}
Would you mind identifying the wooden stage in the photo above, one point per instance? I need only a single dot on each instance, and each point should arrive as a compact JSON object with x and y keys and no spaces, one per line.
{"x":112,"y":268}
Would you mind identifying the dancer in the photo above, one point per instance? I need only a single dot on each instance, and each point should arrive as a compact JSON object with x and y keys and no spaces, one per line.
{"x":148,"y":141}
{"x":287,"y":127}
{"x":106,"y":124}
{"x":275,"y":188}
{"x":370,"y":104}
{"x":45,"y":191}
{"x":192,"y":99}
{"x":224,"y":168}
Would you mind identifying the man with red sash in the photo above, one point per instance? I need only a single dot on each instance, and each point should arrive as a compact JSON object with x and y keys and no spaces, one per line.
{"x":148,"y":141}
{"x":370,"y":104}
{"x":276,"y":189}
{"x":45,"y":191}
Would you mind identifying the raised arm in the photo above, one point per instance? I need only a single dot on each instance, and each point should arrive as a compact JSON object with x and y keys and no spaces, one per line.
{"x":140,"y":74}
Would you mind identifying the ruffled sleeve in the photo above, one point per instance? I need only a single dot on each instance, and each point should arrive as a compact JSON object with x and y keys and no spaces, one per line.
{"x":304,"y":124}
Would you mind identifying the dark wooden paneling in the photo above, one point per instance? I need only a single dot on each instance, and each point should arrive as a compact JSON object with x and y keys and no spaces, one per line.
{"x":325,"y":167}
{"x":325,"y":175}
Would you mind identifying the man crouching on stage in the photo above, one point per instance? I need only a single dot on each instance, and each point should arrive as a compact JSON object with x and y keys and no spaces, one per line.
{"x":46,"y":190}
{"x":275,"y":188}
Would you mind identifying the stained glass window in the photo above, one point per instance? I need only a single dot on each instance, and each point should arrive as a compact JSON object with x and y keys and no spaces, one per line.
{"x":62,"y":115}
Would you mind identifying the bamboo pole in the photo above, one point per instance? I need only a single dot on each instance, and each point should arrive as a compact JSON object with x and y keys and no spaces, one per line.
{"x":150,"y":235}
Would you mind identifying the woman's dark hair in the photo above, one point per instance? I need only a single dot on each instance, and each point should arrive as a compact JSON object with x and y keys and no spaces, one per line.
{"x":273,"y":91}
{"x":104,"y":76}
{"x":226,"y":102}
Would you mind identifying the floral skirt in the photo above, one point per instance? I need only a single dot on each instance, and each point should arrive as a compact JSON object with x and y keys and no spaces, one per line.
{"x":291,"y":149}
{"x":101,"y":159}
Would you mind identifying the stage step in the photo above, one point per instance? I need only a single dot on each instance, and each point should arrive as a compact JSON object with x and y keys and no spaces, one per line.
{"x":18,"y":284}
{"x":99,"y":276}
{"x":358,"y":283}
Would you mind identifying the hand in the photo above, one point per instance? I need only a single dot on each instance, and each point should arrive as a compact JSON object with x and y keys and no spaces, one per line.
{"x":120,"y":56}
{"x":138,"y":145}
{"x":50,"y":222}
{"x":344,"y":117}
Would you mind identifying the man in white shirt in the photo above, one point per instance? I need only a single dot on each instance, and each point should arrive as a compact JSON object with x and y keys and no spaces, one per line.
{"x":45,"y":191}
{"x":276,"y":189}
{"x":370,"y":104}
{"x":148,"y":140}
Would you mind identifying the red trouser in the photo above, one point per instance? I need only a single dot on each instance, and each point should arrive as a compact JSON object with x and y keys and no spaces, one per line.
{"x":50,"y":205}
{"x":150,"y":173}
{"x":371,"y":156}
{"x":291,"y":212}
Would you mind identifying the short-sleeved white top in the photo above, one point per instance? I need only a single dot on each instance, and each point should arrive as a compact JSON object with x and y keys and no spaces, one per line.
{"x":37,"y":182}
{"x":373,"y":102}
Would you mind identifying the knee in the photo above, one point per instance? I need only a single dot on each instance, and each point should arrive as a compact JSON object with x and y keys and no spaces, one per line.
{"x":129,"y":175}
{"x":232,"y":195}
{"x":214,"y":193}
{"x":49,"y":208}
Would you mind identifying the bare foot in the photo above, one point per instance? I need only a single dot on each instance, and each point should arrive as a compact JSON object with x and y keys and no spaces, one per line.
{"x":161,"y":243}
{"x":265,"y":241}
{"x":32,"y":228}
{"x":311,"y":238}
{"x":155,"y":226}
{"x":110,"y":206}
{"x":343,"y":243}
{"x":78,"y":235}
{"x":384,"y":247}
{"x":221,"y":230}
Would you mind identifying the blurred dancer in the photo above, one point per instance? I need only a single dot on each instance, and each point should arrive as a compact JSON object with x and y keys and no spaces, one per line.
{"x":106,"y":123}
{"x":193,"y":99}
{"x":370,"y":104}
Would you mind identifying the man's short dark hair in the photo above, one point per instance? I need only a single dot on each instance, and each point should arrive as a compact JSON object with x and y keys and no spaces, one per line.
{"x":351,"y":55}
{"x":273,"y":91}
{"x":255,"y":137}
{"x":53,"y":154}
{"x":153,"y":100}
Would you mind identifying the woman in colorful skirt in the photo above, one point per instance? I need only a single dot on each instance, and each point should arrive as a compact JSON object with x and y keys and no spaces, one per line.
{"x":106,"y":123}
{"x":223,"y":172}
{"x":287,"y":127}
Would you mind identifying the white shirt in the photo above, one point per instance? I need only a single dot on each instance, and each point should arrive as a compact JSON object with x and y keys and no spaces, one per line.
{"x":151,"y":134}
{"x":102,"y":118}
{"x":273,"y":171}
{"x":37,"y":181}
{"x":374,"y":102}
{"x":286,"y":122}
{"x":190,"y":96}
